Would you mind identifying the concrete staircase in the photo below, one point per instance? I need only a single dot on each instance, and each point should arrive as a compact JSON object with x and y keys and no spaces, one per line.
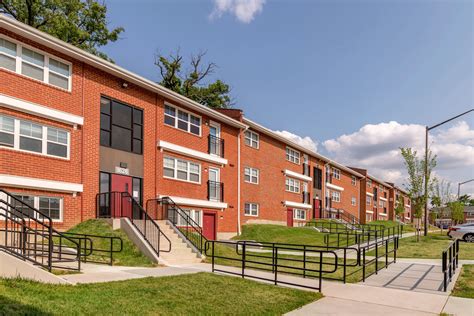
{"x":181,"y":253}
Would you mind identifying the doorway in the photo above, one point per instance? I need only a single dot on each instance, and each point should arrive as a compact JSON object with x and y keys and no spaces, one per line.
{"x":214,"y":184}
{"x":289,"y":217}
{"x":214,"y":138}
{"x":209,"y":224}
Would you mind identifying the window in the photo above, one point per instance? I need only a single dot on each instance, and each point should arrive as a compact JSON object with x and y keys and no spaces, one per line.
{"x":369,"y":183}
{"x":251,"y":139}
{"x":32,"y":137}
{"x":34,"y":64}
{"x":181,"y":170}
{"x":336,"y":196}
{"x":353,"y":180}
{"x":182,"y":120}
{"x":299,"y":214}
{"x":121,"y":126}
{"x":353,"y":201}
{"x":292,"y":185}
{"x":292,"y":155}
{"x":49,"y":206}
{"x":336,"y":173}
{"x":251,"y":209}
{"x":194,"y":215}
{"x":381,"y":187}
{"x":382,"y":204}
{"x":317,"y":178}
{"x":368,"y":200}
{"x":251,"y":175}
{"x":104,"y":182}
{"x":7,"y":129}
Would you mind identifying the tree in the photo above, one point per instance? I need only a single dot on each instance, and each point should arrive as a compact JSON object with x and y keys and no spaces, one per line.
{"x":400,"y":206}
{"x":416,"y":180}
{"x":192,"y":83}
{"x":457,"y":212}
{"x":441,"y":193}
{"x":465,"y":199}
{"x":82,"y":23}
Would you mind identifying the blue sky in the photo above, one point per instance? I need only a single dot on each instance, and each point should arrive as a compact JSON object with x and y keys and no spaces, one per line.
{"x":325,"y":69}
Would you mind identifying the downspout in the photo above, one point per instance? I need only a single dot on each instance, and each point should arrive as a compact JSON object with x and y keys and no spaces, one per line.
{"x":238,"y":183}
{"x":82,"y":145}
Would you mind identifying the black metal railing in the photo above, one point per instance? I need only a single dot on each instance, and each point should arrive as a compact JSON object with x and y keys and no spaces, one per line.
{"x":123,"y":205}
{"x":28,"y":234}
{"x":330,"y":213}
{"x":450,"y":262}
{"x":215,"y":191}
{"x":215,"y":146}
{"x":305,"y":197}
{"x":166,"y":209}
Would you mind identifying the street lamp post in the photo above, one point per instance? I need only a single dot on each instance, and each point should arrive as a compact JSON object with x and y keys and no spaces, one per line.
{"x":461,"y":183}
{"x":429,"y":128}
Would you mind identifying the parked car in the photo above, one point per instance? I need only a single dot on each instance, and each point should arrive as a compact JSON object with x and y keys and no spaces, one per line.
{"x":464,"y":232}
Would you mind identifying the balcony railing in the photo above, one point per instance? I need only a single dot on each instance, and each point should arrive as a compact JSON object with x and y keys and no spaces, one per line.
{"x":215,"y":146}
{"x":215,"y":191}
{"x":306,"y":197}
{"x":306,"y":169}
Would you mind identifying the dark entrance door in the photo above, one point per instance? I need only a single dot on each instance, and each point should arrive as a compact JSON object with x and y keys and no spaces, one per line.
{"x":289,"y":217}
{"x":209,"y":225}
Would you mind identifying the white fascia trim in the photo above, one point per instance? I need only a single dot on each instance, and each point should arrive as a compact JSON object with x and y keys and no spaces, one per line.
{"x":100,"y":63}
{"x":297,"y":175}
{"x":40,"y":184}
{"x":334,"y":187}
{"x":370,"y":212}
{"x":383,"y":199}
{"x":407,"y":217}
{"x":297,"y":205}
{"x":195,"y":202}
{"x":40,"y":110}
{"x":406,"y":205}
{"x":191,"y":153}
{"x":383,"y":214}
{"x":368,"y":193}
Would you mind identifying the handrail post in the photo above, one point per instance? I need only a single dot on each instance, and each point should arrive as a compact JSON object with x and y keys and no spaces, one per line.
{"x":376,"y":258}
{"x":363,"y":265}
{"x":304,"y":261}
{"x":276,"y":264}
{"x":50,"y":246}
{"x":321,"y":269}
{"x":345,"y":261}
{"x":213,"y":243}
{"x":386,"y":253}
{"x":243,"y":258}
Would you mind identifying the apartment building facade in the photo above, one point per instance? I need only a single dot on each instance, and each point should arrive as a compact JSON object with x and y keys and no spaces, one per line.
{"x":398,"y":196}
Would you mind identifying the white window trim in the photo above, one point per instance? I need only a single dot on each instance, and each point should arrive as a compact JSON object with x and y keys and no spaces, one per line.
{"x":196,"y":202}
{"x":297,"y":205}
{"x":258,"y":175}
{"x":296,"y":185}
{"x":193,"y":216}
{"x":44,"y":139}
{"x":191,"y":153}
{"x":47,"y":56}
{"x":36,"y":199}
{"x":354,"y":180}
{"x":295,"y":211}
{"x":188,"y":170}
{"x":334,"y":194}
{"x":41,"y":184}
{"x":336,"y":173}
{"x":252,"y":204}
{"x":252,"y":133}
{"x":176,"y":119}
{"x":353,"y":201}
{"x":288,"y":155}
{"x":334,"y":187}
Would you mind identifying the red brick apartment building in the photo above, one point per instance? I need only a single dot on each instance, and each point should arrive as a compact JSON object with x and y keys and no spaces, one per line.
{"x":396,"y":196}
{"x":73,"y":125}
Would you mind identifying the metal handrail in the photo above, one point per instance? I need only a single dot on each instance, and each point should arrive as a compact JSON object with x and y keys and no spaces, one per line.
{"x":217,"y":144}
{"x":218,"y":189}
{"x":450,"y":262}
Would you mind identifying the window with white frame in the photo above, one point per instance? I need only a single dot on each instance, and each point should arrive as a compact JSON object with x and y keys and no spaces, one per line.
{"x":251,"y":209}
{"x":336,"y":173}
{"x":180,"y":169}
{"x":49,"y":206}
{"x":292,"y":185}
{"x":28,"y":136}
{"x":299,"y":214}
{"x":252,"y":139}
{"x":182,"y":120}
{"x":336,"y":196}
{"x":383,"y":204}
{"x":292,"y":155}
{"x":368,"y":200}
{"x":194,"y":215}
{"x":35,"y":64}
{"x":251,"y":175}
{"x":369,"y":183}
{"x":353,"y":201}
{"x":353,"y":180}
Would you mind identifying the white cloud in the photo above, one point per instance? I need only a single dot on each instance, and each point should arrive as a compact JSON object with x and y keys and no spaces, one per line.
{"x":305,"y":142}
{"x":244,"y":10}
{"x":376,"y":148}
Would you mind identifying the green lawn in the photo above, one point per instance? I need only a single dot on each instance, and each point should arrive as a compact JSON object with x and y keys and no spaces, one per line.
{"x":464,"y":286}
{"x":282,"y":234}
{"x":431,"y":247}
{"x":129,"y":256}
{"x":407,"y":228}
{"x":196,"y":294}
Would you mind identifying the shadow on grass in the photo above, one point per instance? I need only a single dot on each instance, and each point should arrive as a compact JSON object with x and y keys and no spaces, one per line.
{"x":11,"y":307}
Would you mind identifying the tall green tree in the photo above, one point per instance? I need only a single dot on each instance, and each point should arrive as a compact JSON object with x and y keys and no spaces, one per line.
{"x":416,"y":179}
{"x":400,"y":206}
{"x":82,"y":23}
{"x":466,"y":200}
{"x":194,"y":82}
{"x":457,"y":212}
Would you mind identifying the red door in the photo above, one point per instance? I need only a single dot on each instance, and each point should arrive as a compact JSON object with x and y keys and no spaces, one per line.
{"x":289,"y":217}
{"x":121,"y":205}
{"x":317,"y":208}
{"x":209,"y":225}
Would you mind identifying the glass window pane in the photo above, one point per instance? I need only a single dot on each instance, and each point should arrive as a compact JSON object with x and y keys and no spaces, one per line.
{"x":169,"y":120}
{"x":121,"y":138}
{"x":195,"y":120}
{"x":137,"y":131}
{"x":137,"y":146}
{"x":105,"y":122}
{"x":137,"y":116}
{"x":169,"y":173}
{"x":7,"y":47}
{"x":182,"y":175}
{"x":182,"y":165}
{"x":58,"y":81}
{"x":6,"y":139}
{"x":59,"y":67}
{"x":32,"y":71}
{"x":105,"y":106}
{"x":8,"y":62}
{"x":195,"y":130}
{"x":183,"y":116}
{"x":169,"y":110}
{"x":30,"y":144}
{"x":57,"y":150}
{"x":182,"y":125}
{"x":32,"y":57}
{"x":168,"y":162}
{"x":194,"y":177}
{"x":105,"y":138}
{"x":121,"y":115}
{"x":104,"y":182}
{"x":7,"y":124}
{"x":194,"y":168}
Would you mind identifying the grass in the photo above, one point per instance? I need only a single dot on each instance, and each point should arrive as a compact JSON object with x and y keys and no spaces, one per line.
{"x":464,"y":286}
{"x":130,"y":254}
{"x":407,"y":228}
{"x":431,"y":247}
{"x":282,"y":234}
{"x":196,"y":294}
